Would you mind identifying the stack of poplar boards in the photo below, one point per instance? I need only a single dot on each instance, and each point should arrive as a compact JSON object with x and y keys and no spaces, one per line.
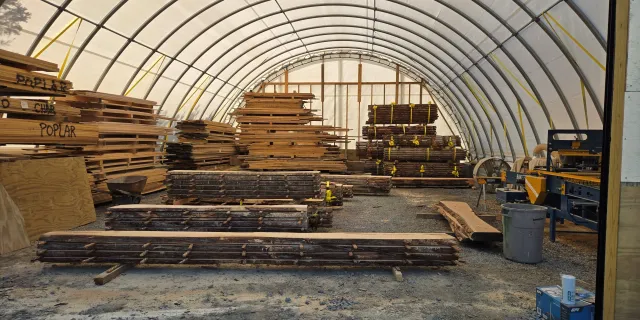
{"x":233,"y":185}
{"x":128,"y":143}
{"x":466,"y":225}
{"x":250,"y":218}
{"x":274,"y":248}
{"x":277,"y":130}
{"x":366,"y":185}
{"x":202,"y":145}
{"x":36,"y":121}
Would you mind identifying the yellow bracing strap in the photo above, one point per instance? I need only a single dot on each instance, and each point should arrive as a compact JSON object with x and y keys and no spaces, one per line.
{"x":57,"y":36}
{"x":429,"y":115}
{"x":451,"y":144}
{"x":428,"y":154}
{"x":391,"y":142}
{"x":422,"y":170}
{"x":389,"y":153}
{"x":161,"y":57}
{"x":375,"y":133}
{"x":66,"y":57}
{"x":454,"y":154}
{"x":572,"y":39}
{"x":393,"y":170}
{"x":240,"y":201}
{"x":404,"y":129}
{"x":584,"y":102}
{"x":416,"y":141}
{"x":411,"y":113}
{"x":393,"y":104}
{"x":425,"y":130}
{"x":195,"y":102}
{"x":375,"y":114}
{"x":378,"y":162}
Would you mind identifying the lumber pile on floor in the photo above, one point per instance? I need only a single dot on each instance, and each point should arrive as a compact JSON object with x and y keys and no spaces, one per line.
{"x":378,"y":132}
{"x":275,"y":248}
{"x":402,"y":114}
{"x":277,"y":130}
{"x":412,"y":182}
{"x":421,"y":169}
{"x":273,"y":218}
{"x":466,"y":224}
{"x":243,"y":184}
{"x":362,"y":184}
{"x":203,"y":145}
{"x":128,"y":141}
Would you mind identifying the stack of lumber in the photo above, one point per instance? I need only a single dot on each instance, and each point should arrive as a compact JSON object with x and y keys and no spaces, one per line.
{"x":466,"y":225}
{"x":36,"y":121}
{"x":421,"y":169}
{"x":48,"y":194}
{"x":402,"y":114}
{"x":277,"y":130}
{"x":414,"y":151}
{"x":362,"y":184}
{"x":347,"y":191}
{"x":243,"y":184}
{"x":275,"y":248}
{"x":454,"y":155}
{"x":128,"y":141}
{"x":409,"y":182}
{"x":203,"y":145}
{"x":377,"y":132}
{"x":333,"y":193}
{"x":282,"y":218}
{"x":19,"y":76}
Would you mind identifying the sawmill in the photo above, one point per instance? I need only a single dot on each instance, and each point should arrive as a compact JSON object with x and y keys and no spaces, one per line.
{"x":319,"y":159}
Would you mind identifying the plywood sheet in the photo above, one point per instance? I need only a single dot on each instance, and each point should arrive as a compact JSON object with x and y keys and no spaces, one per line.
{"x":52,"y":194}
{"x":12,"y":233}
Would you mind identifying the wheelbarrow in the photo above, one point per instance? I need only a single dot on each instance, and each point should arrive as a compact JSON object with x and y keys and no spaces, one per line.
{"x":126,"y":190}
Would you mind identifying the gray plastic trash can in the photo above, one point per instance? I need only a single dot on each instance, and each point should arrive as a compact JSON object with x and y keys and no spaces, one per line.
{"x":523,"y":230}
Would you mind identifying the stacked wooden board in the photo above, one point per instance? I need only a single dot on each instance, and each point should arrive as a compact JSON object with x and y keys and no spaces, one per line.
{"x":203,"y":145}
{"x":20,"y":76}
{"x":402,"y":114}
{"x":128,"y":141}
{"x":280,"y":218}
{"x":362,"y":184}
{"x":234,"y":185}
{"x":466,"y":225}
{"x":277,"y":132}
{"x":275,"y":248}
{"x":402,"y":144}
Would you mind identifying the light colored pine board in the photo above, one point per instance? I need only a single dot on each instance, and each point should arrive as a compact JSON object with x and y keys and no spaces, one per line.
{"x":25,"y":62}
{"x":52,"y":194}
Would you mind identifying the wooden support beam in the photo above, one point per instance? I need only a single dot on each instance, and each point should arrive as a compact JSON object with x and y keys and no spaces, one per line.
{"x":346,"y":124}
{"x":111,"y":274}
{"x":286,"y":80}
{"x":397,"y":83}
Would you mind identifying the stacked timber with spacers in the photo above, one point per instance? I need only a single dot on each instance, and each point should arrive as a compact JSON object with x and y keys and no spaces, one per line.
{"x":129,"y":139}
{"x":235,"y":185}
{"x":277,"y":132}
{"x":228,"y":218}
{"x":402,"y":143}
{"x":274,"y":248}
{"x":362,"y":184}
{"x":37,"y":121}
{"x":202,"y":145}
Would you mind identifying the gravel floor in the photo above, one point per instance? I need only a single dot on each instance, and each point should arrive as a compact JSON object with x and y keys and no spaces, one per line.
{"x":483,"y":286}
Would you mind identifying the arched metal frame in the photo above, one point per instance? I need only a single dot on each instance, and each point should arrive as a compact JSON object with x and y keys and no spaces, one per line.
{"x":458,"y":103}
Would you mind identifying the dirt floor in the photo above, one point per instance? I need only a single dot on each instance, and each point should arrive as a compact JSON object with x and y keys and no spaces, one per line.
{"x":483,"y":286}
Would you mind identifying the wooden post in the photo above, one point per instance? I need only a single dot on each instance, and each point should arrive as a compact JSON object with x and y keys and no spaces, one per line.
{"x":397,"y":83}
{"x":620,"y":284}
{"x":409,"y":101}
{"x":359,"y":99}
{"x":420,"y":93}
{"x":346,"y":125}
{"x":322,"y":89}
{"x":286,"y":80}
